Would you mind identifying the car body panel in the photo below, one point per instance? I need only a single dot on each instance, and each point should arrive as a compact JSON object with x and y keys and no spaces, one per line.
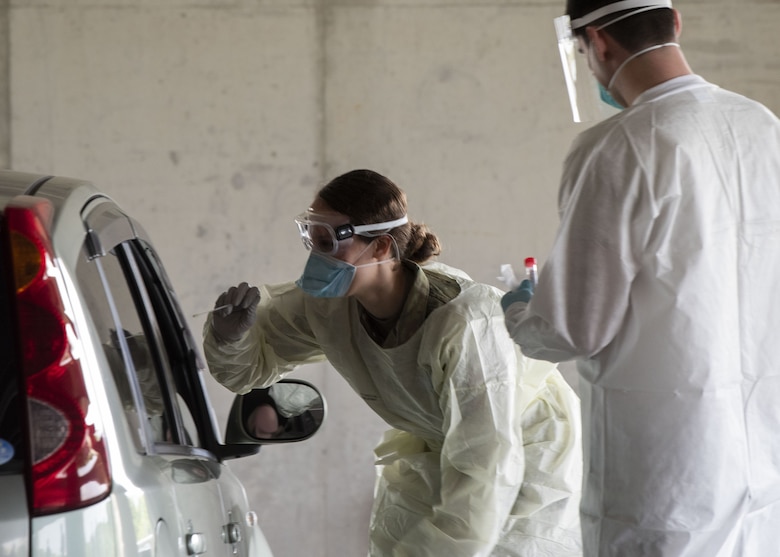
{"x":14,"y":519}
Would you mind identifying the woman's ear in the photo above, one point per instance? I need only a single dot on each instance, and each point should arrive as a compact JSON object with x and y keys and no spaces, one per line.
{"x":383,"y":247}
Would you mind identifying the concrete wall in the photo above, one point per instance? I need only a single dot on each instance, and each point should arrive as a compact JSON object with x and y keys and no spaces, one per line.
{"x":5,"y":107}
{"x":215,"y":121}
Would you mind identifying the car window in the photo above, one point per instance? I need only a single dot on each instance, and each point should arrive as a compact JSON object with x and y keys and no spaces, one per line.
{"x":134,"y":367}
{"x":147,"y":361}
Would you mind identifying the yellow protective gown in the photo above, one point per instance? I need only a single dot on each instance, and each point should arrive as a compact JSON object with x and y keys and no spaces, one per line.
{"x":663,"y":283}
{"x":484,"y":457}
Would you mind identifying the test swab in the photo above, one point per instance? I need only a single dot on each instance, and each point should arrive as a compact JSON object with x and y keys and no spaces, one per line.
{"x":212,"y":310}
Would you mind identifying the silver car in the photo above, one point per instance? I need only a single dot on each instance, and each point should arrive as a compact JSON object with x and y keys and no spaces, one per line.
{"x":108,"y":443}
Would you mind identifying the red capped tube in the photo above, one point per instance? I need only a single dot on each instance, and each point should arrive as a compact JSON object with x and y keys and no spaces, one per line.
{"x":531,"y":270}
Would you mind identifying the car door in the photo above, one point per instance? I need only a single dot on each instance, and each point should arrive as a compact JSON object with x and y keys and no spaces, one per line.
{"x":164,"y":402}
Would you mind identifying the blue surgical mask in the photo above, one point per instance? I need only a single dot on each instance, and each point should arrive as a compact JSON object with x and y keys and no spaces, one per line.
{"x":327,"y":277}
{"x":608,"y":98}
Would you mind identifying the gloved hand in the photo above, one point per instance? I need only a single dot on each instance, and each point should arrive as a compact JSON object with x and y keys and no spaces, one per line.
{"x":522,"y":293}
{"x":231,"y":322}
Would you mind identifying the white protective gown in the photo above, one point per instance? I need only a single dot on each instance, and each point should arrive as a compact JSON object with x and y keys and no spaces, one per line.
{"x":663,"y":282}
{"x":484,"y":457}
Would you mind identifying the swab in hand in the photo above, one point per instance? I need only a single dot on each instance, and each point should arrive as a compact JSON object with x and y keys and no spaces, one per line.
{"x":212,"y":310}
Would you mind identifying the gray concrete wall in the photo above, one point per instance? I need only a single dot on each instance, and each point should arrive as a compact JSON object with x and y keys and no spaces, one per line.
{"x":215,"y":121}
{"x":5,"y":107}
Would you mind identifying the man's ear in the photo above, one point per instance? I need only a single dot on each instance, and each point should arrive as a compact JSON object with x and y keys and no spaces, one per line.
{"x":597,"y":41}
{"x":677,"y":24}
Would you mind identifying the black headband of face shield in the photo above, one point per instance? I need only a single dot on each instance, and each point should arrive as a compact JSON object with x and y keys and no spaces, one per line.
{"x":344,"y":231}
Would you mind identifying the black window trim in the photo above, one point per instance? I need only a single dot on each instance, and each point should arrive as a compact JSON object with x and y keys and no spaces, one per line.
{"x":154,"y":336}
{"x":157,"y":282}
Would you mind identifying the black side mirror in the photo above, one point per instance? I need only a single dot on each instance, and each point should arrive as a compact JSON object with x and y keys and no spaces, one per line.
{"x":288,"y":411}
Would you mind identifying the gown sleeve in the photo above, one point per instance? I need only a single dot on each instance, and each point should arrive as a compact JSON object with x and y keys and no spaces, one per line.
{"x":280,"y":340}
{"x":583,"y":293}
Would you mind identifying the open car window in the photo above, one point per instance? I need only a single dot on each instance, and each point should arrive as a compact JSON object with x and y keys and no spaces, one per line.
{"x":139,"y":346}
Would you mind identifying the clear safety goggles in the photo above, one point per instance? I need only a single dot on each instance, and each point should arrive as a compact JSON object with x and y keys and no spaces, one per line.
{"x":322,"y":237}
{"x":585,"y":94}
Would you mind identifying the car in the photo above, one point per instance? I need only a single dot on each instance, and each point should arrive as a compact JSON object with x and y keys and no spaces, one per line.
{"x":108,"y":442}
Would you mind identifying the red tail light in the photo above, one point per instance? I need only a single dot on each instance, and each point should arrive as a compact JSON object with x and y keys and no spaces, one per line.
{"x":67,"y":451}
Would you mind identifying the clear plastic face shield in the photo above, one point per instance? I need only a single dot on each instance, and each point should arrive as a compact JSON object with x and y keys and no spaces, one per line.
{"x":321,"y":236}
{"x":590,"y":101}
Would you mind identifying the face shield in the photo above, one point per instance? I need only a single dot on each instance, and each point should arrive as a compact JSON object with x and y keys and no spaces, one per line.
{"x":588,"y":99}
{"x":320,"y":236}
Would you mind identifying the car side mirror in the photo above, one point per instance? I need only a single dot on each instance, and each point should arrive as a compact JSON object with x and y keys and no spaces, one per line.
{"x":288,"y":411}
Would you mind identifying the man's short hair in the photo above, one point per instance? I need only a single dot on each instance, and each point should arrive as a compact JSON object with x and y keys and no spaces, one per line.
{"x":632,"y":33}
